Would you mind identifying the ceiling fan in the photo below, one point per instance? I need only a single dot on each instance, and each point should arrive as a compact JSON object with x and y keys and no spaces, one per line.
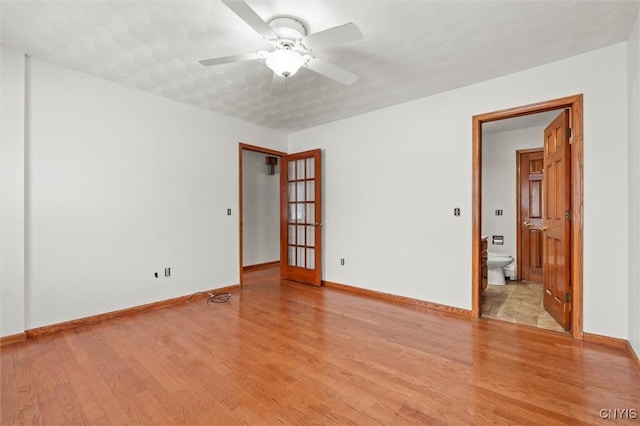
{"x":293,"y":47}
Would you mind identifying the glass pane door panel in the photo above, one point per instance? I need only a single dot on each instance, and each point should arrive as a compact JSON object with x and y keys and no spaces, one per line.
{"x":310,"y":191}
{"x":292,"y":234}
{"x":300,"y":260}
{"x":292,"y":256}
{"x":311,"y":234}
{"x":310,"y":258}
{"x":300,"y":213}
{"x":300,"y":191}
{"x":292,"y":192}
{"x":292,"y":170}
{"x":300,"y":169}
{"x":311,"y":217}
{"x":310,"y":170}
{"x":301,"y":235}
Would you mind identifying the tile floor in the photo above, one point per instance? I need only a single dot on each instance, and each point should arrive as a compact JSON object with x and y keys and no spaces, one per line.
{"x":519,"y":302}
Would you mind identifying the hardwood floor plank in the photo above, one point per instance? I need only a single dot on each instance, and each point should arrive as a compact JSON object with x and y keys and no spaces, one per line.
{"x":36,"y":380}
{"x":72,"y":406}
{"x":92,"y":380}
{"x":84,"y":389}
{"x":9,"y":402}
{"x":285,"y":353}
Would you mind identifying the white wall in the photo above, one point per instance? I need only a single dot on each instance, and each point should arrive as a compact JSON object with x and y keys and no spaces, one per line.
{"x":633,"y":72}
{"x":120,"y":185}
{"x":261,"y":210}
{"x":394,"y":176}
{"x":499,"y":183}
{"x":12,"y":169}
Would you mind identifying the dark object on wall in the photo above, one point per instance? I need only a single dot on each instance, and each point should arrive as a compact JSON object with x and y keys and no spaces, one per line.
{"x":271,"y":162}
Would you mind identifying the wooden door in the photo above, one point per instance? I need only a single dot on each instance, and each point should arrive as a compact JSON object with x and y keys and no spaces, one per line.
{"x":557,"y":214}
{"x":530,"y":204}
{"x":300,"y":218}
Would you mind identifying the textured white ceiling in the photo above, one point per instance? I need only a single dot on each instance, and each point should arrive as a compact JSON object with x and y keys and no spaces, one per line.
{"x":411,"y":49}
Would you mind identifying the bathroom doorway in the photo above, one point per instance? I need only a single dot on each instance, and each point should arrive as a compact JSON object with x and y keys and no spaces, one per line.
{"x":575,"y":226}
{"x":512,"y":218}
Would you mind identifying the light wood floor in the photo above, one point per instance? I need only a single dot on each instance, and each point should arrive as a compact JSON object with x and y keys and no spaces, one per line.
{"x":285,"y":353}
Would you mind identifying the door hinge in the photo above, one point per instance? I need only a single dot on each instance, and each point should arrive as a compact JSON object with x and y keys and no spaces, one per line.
{"x":567,"y":297}
{"x":568,"y":132}
{"x":567,"y":215}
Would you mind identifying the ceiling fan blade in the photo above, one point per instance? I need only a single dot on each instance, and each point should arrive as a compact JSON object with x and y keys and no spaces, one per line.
{"x":332,"y":37}
{"x":278,"y":85}
{"x":248,"y":15}
{"x":229,"y":59}
{"x":332,"y":71}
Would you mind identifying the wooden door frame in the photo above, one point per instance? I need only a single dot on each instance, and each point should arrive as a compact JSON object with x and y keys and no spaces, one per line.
{"x":519,"y":154}
{"x":241,"y":148}
{"x":575,"y":105}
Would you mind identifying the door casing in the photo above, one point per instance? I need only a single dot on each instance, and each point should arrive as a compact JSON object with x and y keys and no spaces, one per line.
{"x":575,"y":105}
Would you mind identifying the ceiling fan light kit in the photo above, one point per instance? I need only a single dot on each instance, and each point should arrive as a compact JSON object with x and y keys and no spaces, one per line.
{"x":285,"y":62}
{"x":293,"y":48}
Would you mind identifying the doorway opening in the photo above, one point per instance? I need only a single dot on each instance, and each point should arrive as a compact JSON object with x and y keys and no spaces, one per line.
{"x":512,"y":218}
{"x":574,"y":198}
{"x":259,"y":207}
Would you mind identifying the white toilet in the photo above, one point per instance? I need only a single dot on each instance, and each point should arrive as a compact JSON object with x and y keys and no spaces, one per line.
{"x":495,"y":263}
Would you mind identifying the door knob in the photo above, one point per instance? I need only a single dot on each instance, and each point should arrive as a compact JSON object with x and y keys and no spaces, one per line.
{"x":528,"y":224}
{"x":544,"y":229}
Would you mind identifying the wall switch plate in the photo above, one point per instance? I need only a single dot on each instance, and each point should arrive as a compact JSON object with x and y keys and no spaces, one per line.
{"x":167,"y":272}
{"x":456,"y":211}
{"x":228,"y":212}
{"x":342,"y":261}
{"x":499,"y":212}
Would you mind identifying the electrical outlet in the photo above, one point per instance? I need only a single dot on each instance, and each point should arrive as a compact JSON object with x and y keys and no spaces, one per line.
{"x":228,"y":212}
{"x":499,"y":212}
{"x":456,"y":211}
{"x":167,"y":272}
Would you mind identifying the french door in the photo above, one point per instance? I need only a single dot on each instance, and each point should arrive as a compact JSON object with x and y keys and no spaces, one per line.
{"x":300,"y":217}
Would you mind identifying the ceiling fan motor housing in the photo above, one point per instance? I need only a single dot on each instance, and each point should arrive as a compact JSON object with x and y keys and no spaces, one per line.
{"x":288,"y":28}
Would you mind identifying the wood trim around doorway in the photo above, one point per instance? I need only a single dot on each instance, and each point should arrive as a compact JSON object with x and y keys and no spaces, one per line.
{"x":241,"y":148}
{"x":575,"y":105}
